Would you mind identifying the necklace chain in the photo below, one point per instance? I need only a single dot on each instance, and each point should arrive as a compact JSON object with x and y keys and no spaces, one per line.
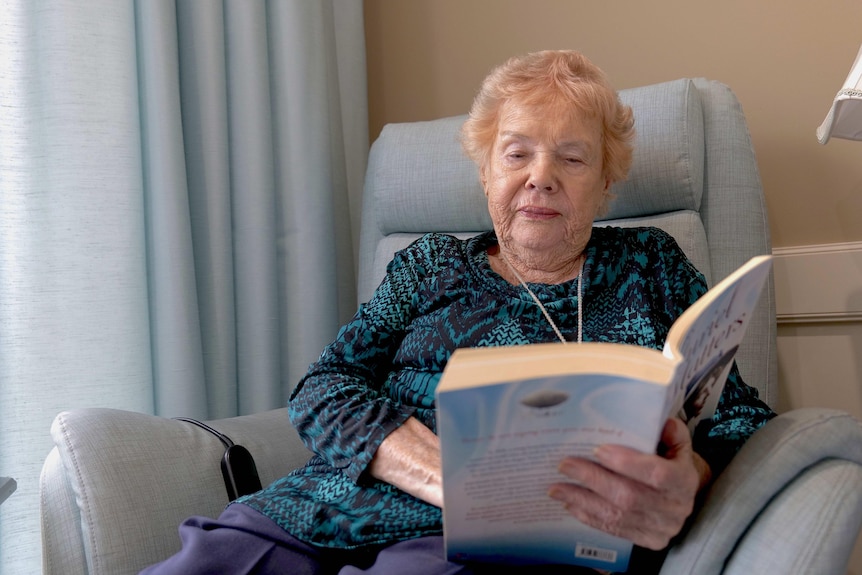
{"x":545,"y":311}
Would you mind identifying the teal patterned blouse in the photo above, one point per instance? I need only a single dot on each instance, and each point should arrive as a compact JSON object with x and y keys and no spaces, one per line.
{"x":440,"y":294}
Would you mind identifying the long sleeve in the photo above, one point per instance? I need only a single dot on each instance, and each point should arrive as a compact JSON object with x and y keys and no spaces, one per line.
{"x":340,"y":407}
{"x":739,"y":414}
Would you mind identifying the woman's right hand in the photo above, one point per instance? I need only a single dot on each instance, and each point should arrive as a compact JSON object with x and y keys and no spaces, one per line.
{"x":409,"y":458}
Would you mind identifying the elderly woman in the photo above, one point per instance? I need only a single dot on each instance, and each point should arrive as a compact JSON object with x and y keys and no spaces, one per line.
{"x":550,"y":137}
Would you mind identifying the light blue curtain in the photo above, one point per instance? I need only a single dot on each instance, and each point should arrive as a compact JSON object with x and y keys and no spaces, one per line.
{"x":178,"y":183}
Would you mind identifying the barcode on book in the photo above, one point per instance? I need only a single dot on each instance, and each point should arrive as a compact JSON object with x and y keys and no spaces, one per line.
{"x":588,"y":552}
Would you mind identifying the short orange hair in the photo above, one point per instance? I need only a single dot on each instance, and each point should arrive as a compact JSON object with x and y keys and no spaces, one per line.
{"x":552,"y":76}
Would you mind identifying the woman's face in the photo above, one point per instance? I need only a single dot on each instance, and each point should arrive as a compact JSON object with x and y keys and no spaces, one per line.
{"x":544,"y":180}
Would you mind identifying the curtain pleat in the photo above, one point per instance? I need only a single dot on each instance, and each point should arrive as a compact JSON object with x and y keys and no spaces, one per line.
{"x":254,"y":206}
{"x":178,"y":184}
{"x":207,"y":154}
{"x":174,"y":318}
{"x":310,"y":177}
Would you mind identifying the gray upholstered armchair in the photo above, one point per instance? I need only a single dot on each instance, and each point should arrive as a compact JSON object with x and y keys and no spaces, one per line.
{"x":117,"y":484}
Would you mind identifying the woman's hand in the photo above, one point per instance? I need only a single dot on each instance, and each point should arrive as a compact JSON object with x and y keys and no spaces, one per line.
{"x":640,"y":497}
{"x":409,"y":458}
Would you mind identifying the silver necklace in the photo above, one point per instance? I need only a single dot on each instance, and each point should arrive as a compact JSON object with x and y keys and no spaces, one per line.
{"x":542,"y":307}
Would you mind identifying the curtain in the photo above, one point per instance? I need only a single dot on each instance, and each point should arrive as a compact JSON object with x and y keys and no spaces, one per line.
{"x":179,"y":186}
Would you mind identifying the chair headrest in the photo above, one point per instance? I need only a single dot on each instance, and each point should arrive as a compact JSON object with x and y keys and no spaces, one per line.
{"x":445,"y":193}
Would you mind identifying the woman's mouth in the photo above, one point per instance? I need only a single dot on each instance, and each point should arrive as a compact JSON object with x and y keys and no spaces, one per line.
{"x":538,"y":213}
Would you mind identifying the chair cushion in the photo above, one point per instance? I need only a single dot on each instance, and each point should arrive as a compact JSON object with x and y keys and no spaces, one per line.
{"x":412,"y":167}
{"x":667,"y":171}
{"x":423,"y":182}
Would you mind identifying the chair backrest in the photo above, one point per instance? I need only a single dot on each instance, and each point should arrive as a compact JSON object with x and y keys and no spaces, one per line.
{"x":694,"y":175}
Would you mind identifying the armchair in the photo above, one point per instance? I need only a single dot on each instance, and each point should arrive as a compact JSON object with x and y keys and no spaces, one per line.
{"x":117,"y":484}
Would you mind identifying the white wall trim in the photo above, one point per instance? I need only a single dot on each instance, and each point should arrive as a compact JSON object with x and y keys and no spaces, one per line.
{"x":818,"y":283}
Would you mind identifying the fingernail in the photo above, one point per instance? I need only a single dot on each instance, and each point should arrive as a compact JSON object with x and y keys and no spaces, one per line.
{"x":600,"y":452}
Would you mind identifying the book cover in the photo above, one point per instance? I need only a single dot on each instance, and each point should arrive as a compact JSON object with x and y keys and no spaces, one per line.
{"x":504,"y":442}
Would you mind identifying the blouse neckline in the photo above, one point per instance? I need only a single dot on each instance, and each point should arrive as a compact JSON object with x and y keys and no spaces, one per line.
{"x":477,"y":249}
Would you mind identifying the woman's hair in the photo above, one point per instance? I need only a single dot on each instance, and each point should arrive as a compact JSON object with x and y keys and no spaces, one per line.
{"x":548,"y":77}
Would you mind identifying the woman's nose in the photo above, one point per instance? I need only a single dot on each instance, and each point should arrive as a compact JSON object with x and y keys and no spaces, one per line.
{"x":542,"y":177}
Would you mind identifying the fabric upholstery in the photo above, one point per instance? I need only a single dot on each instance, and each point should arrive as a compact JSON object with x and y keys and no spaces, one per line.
{"x":667,"y":172}
{"x":823,"y":500}
{"x":786,"y":457}
{"x":62,"y":533}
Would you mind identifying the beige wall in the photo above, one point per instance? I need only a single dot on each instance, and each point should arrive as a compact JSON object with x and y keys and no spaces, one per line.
{"x":820,"y":332}
{"x":784,"y":59}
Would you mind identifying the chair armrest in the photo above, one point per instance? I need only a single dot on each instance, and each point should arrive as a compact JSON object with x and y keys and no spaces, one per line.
{"x":790,"y":501}
{"x":62,"y":543}
{"x":126,"y":480}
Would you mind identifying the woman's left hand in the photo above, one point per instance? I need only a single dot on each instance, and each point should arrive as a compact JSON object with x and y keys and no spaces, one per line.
{"x":641,"y":497}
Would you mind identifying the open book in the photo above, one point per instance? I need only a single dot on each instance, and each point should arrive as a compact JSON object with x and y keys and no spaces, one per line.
{"x":507,"y":416}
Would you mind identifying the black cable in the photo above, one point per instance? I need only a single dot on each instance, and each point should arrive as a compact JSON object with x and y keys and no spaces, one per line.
{"x":226,"y":441}
{"x":237,"y":465}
